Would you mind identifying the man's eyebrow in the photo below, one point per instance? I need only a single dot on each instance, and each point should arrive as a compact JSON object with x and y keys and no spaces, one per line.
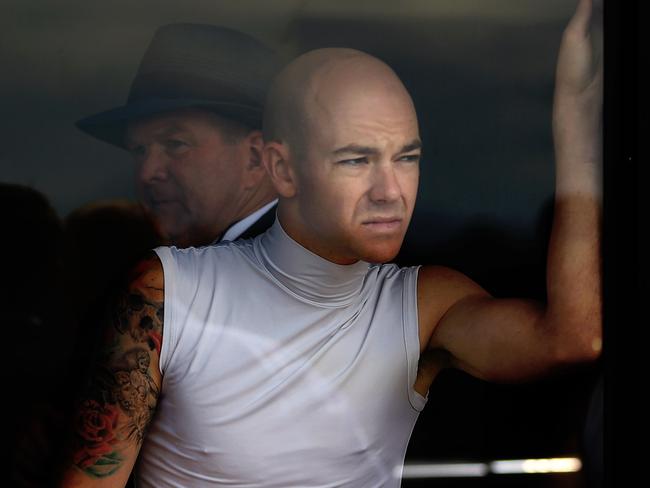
{"x":369,"y":151}
{"x":170,"y":130}
{"x":356,"y":149}
{"x":412,"y":146}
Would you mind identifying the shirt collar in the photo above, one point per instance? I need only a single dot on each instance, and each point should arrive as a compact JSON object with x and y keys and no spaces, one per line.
{"x":306,"y":274}
{"x":237,"y":229}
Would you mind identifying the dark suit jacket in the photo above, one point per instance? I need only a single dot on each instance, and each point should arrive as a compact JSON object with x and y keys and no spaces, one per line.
{"x":261,"y":224}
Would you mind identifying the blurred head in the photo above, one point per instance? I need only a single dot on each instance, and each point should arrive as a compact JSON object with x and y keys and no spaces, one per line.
{"x":343,"y":149}
{"x":197,"y":173}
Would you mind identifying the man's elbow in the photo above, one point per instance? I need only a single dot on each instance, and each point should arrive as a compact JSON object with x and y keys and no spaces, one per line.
{"x":580,"y":343}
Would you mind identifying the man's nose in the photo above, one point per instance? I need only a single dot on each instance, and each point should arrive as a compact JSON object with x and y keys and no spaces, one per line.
{"x":152,"y":165}
{"x":385,"y":184}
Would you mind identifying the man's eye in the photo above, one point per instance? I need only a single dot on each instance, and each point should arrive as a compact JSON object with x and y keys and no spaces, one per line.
{"x":354,"y":162}
{"x":410,"y":158}
{"x":175,"y":144}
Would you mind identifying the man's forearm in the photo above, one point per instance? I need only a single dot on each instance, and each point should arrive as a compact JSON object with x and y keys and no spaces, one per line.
{"x":574,"y":278}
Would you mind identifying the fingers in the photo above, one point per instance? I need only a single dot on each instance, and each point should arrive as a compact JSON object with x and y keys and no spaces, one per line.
{"x":587,"y":23}
{"x":581,"y":20}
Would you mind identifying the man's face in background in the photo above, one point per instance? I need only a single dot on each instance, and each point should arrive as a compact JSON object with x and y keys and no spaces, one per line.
{"x":190,"y":173}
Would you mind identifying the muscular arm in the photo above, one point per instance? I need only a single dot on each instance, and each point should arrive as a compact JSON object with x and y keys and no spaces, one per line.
{"x":120,"y":399}
{"x":509,"y":340}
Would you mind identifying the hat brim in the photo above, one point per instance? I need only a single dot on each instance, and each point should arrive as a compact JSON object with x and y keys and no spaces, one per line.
{"x":110,"y":125}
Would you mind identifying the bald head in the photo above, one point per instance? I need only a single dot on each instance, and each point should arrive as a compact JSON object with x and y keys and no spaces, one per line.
{"x":310,"y":89}
{"x":342,"y":147}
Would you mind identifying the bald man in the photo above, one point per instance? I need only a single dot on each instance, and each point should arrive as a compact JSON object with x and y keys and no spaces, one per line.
{"x":316,"y":383}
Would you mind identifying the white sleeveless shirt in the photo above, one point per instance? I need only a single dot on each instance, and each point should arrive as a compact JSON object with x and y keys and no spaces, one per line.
{"x":282,"y":369}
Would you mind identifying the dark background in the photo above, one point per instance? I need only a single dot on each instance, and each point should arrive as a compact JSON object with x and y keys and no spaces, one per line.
{"x":481,"y":75}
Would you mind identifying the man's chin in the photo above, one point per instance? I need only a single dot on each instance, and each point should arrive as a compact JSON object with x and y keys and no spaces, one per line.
{"x":382,"y":254}
{"x":379,"y":244}
{"x":174,"y":236}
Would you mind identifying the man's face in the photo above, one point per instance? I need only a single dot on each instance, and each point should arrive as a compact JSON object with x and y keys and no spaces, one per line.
{"x":189,"y":174}
{"x":358,"y":176}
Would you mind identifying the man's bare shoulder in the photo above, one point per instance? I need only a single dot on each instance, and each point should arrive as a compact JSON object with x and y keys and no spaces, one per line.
{"x":439,"y":289}
{"x":147,"y":274}
{"x":442,"y":282}
{"x":140,"y":307}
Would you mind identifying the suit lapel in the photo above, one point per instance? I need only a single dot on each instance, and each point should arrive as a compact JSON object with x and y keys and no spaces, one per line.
{"x":260,"y":225}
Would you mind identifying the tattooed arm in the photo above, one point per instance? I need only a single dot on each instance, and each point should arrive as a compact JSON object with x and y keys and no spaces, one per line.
{"x":120,"y":399}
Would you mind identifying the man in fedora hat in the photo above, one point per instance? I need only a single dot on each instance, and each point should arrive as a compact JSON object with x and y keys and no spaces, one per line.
{"x":192,"y":123}
{"x":317,"y":382}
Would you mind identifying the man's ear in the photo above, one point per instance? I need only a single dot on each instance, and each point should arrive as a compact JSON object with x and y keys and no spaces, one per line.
{"x":275,"y":157}
{"x":254,"y":169}
{"x":255,"y":144}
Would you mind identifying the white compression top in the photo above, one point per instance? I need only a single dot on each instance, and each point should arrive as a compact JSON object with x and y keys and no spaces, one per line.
{"x":282,"y":369}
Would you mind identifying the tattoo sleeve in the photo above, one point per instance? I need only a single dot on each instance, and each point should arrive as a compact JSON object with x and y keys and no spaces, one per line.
{"x":120,"y":399}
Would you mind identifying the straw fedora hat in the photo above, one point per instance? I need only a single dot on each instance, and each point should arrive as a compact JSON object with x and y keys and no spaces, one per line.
{"x":193,"y":65}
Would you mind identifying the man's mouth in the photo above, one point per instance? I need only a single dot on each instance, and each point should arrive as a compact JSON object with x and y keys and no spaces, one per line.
{"x":383,"y":224}
{"x":162,"y":202}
